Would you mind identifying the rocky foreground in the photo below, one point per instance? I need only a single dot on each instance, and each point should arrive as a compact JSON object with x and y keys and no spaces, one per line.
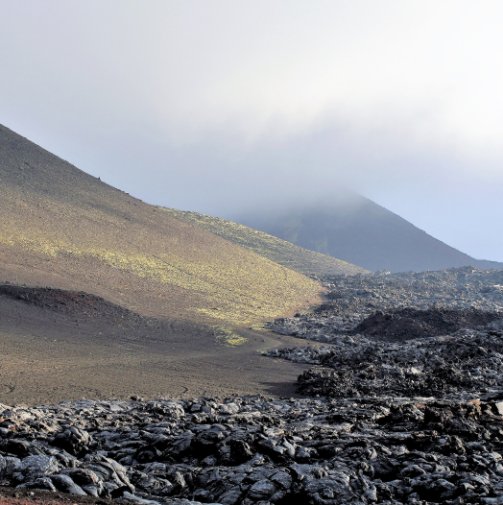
{"x":254,"y":450}
{"x":404,"y":404}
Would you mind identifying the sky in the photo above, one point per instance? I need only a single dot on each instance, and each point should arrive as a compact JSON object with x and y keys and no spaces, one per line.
{"x":222,"y":106}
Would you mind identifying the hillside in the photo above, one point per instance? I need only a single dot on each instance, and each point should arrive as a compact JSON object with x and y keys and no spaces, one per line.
{"x":363,"y":233}
{"x":280,"y":251}
{"x":64,"y":228}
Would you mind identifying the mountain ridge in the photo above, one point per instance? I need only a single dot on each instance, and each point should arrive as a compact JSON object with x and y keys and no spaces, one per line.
{"x":361,"y":232}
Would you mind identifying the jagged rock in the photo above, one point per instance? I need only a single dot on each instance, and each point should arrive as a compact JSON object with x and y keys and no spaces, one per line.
{"x":297,"y":451}
{"x":240,"y":451}
{"x":84,"y":476}
{"x":139,"y":501}
{"x":65,"y":483}
{"x":40,"y":483}
{"x":38,"y":466}
{"x":73,"y":440}
{"x":261,"y":490}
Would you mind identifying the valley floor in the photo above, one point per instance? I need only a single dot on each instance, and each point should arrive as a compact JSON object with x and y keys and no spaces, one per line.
{"x":58,"y":345}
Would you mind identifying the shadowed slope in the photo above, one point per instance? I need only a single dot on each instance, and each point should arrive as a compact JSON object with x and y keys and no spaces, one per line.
{"x":64,"y":228}
{"x":277,"y":250}
{"x":358,"y":230}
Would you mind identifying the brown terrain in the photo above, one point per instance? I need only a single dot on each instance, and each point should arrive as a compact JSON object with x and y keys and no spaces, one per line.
{"x":59,"y":345}
{"x":104,"y":295}
{"x":61,"y":227}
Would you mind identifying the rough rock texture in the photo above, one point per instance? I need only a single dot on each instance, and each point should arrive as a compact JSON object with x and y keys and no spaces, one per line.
{"x":352,"y":299}
{"x":408,"y":323}
{"x":254,"y":450}
{"x":446,"y":343}
{"x":460,"y":366}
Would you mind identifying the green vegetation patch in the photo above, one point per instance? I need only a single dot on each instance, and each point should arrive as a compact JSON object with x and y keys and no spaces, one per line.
{"x":229,"y":337}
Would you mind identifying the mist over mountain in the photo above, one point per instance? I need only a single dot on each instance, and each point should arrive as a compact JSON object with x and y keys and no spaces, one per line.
{"x":356,"y":229}
{"x":248,"y":101}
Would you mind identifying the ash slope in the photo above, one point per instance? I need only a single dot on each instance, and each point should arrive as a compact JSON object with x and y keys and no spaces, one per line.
{"x":277,"y":250}
{"x":362,"y":232}
{"x":63,"y":228}
{"x":58,"y":345}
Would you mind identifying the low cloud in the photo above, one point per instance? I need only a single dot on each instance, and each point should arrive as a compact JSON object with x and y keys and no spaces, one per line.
{"x":230,"y":105}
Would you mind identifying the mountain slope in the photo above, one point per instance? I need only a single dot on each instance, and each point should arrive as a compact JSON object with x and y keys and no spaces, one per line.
{"x":277,"y":250}
{"x":64,"y":228}
{"x":359,"y":231}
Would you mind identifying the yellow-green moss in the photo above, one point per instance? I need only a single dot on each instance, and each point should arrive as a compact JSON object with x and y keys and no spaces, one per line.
{"x":254,"y":298}
{"x":229,"y":337}
{"x":277,"y":250}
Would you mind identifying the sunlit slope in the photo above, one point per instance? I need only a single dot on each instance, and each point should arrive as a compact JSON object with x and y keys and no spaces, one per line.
{"x":278,"y":250}
{"x":64,"y":228}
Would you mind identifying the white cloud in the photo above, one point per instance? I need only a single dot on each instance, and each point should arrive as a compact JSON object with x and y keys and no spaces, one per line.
{"x":388,"y":95}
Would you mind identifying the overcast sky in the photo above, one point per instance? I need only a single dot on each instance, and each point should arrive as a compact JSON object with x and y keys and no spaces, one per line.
{"x":216,"y":105}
